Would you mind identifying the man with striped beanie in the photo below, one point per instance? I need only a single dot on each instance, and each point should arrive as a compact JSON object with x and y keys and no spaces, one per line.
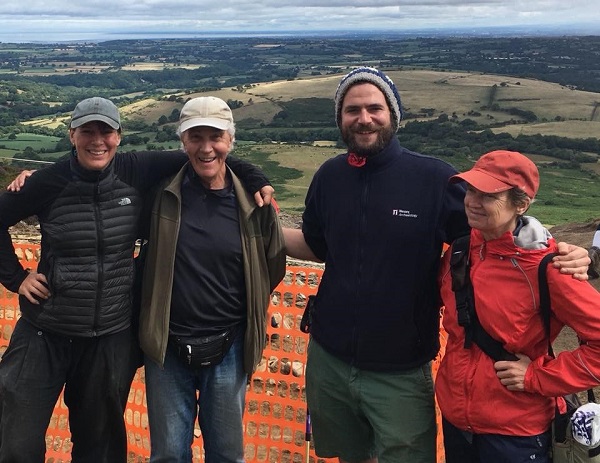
{"x":378,"y":216}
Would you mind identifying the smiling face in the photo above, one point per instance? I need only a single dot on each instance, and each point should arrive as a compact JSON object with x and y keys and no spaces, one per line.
{"x":491,"y":213}
{"x":207,"y":148}
{"x":96,"y":144}
{"x":366,"y":120}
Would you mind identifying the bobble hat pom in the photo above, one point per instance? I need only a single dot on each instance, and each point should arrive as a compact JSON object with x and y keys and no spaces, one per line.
{"x":375,"y":77}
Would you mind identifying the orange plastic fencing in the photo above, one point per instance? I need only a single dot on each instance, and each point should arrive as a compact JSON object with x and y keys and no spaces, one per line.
{"x":275,"y":417}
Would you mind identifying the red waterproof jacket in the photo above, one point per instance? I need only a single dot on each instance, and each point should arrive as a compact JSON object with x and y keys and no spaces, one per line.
{"x":505,"y":283}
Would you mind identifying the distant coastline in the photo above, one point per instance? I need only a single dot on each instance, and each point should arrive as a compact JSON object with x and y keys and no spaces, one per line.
{"x":83,"y":36}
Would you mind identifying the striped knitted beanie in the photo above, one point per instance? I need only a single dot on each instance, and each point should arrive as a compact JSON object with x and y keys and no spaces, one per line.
{"x":375,"y":77}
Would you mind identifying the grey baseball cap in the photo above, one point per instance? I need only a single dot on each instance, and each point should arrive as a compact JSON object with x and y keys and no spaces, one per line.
{"x":96,"y":109}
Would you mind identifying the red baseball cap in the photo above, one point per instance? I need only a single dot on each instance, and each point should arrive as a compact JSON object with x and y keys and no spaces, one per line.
{"x":499,"y":171}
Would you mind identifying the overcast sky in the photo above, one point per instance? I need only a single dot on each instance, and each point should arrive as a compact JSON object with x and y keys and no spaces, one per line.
{"x":49,"y":20}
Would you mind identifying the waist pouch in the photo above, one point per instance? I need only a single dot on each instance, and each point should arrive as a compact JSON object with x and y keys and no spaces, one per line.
{"x":203,"y":351}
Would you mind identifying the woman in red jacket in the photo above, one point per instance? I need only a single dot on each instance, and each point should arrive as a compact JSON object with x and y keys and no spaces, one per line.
{"x":501,"y":412}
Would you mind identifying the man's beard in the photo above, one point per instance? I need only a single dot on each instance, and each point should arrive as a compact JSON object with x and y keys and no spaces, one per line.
{"x":384,"y":135}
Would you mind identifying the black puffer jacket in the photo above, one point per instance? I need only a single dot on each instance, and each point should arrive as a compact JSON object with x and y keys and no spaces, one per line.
{"x":90,"y":290}
{"x":89,"y":223}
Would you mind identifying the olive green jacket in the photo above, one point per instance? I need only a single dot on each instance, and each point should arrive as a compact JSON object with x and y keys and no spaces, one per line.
{"x":263,"y":251}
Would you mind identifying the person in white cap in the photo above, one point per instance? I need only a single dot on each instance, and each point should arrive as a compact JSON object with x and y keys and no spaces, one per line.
{"x":213,"y":260}
{"x":497,"y":410}
{"x":75,"y":328}
{"x":378,"y":217}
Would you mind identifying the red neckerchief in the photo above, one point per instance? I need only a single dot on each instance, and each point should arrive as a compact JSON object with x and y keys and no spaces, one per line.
{"x":355,"y":160}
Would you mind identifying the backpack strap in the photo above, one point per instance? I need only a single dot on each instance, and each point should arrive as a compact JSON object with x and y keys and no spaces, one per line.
{"x":545,"y":307}
{"x":461,"y":285}
{"x":465,"y":303}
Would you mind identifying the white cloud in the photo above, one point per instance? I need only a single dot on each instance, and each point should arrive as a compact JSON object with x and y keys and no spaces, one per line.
{"x":38,"y":18}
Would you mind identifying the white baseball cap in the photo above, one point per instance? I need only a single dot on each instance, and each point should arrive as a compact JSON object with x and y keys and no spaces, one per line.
{"x":207,"y":111}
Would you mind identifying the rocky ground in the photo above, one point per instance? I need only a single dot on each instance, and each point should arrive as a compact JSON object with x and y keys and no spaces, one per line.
{"x":26,"y":231}
{"x":290,"y":220}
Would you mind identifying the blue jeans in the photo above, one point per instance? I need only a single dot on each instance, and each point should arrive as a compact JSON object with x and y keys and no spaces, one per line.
{"x":173,"y":404}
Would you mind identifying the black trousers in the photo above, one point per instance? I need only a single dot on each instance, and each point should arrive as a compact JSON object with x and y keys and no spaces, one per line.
{"x":462,"y":447}
{"x":96,"y":374}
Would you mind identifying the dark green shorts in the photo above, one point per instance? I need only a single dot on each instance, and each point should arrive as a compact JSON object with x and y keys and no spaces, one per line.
{"x":359,"y":414}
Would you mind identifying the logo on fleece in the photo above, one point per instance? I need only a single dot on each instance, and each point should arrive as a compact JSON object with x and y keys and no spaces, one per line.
{"x":403,"y":213}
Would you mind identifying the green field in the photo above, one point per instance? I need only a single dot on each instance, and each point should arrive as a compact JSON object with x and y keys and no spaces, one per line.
{"x":24,"y":140}
{"x":566,"y":195}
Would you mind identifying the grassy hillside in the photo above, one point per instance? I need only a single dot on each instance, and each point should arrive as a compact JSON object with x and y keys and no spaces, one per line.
{"x":463,"y":95}
{"x":425,"y":94}
{"x":566,"y":195}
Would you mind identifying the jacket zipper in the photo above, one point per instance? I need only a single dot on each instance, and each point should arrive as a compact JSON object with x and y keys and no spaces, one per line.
{"x":361,"y":254}
{"x":100,"y":260}
{"x":531,"y":290}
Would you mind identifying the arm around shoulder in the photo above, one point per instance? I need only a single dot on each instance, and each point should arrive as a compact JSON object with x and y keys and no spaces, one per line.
{"x":296,"y":245}
{"x":250,"y":175}
{"x":572,"y":260}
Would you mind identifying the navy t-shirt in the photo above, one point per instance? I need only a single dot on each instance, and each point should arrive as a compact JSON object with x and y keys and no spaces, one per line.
{"x":209,"y":292}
